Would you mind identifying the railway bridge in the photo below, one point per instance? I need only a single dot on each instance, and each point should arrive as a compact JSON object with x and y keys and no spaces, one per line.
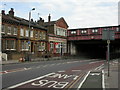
{"x":87,"y":42}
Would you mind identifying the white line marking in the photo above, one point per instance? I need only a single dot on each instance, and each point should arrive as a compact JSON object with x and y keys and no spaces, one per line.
{"x":94,"y":62}
{"x":76,"y":70}
{"x":30,"y":81}
{"x":58,"y":64}
{"x":45,"y":66}
{"x":83,"y":80}
{"x":99,"y":67}
{"x":75,"y":61}
{"x":61,"y":71}
{"x":103,"y":82}
{"x":5,"y":71}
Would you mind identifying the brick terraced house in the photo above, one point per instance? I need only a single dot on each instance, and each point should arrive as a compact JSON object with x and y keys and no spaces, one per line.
{"x":57,"y":36}
{"x":15,"y":37}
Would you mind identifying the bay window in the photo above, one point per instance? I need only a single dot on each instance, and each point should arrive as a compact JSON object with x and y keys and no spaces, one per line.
{"x":10,"y":45}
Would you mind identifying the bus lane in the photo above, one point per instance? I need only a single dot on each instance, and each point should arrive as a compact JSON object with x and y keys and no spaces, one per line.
{"x":60,"y":79}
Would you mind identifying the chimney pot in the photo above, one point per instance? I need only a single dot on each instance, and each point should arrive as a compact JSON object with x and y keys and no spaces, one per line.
{"x":3,"y":12}
{"x":11,"y":12}
{"x":31,"y":20}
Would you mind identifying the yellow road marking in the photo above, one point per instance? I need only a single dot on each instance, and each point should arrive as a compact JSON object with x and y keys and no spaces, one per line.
{"x":70,"y":85}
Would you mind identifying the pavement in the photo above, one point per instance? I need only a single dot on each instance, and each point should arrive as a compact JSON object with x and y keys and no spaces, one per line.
{"x":32,"y":60}
{"x":111,"y":80}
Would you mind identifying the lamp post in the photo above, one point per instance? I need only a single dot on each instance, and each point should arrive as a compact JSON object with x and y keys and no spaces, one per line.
{"x":29,"y":33}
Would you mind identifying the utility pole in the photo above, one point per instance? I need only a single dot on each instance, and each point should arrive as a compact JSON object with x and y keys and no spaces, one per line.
{"x":108,"y":54}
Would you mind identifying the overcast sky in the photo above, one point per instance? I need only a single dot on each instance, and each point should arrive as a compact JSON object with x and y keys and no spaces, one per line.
{"x":77,"y":13}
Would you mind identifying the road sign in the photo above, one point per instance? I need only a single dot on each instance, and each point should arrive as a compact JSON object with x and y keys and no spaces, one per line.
{"x":28,"y":42}
{"x":108,"y":35}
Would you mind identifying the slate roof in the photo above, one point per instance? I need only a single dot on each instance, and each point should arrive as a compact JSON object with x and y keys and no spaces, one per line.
{"x":22,"y":21}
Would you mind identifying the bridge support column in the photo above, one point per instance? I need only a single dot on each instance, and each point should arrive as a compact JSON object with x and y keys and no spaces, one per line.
{"x":72,"y":48}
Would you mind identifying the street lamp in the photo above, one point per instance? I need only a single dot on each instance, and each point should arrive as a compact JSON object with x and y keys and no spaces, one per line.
{"x":29,"y":32}
{"x":29,"y":26}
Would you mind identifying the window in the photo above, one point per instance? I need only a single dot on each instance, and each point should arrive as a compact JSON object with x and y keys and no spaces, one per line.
{"x":117,"y":29}
{"x":24,"y":46}
{"x":36,"y":34}
{"x":83,"y":31}
{"x":41,"y":46}
{"x":10,"y":45}
{"x":61,"y":31}
{"x":3,"y":29}
{"x":31,"y":34}
{"x":43,"y":34}
{"x":27,"y":33}
{"x":73,"y":32}
{"x":21,"y":32}
{"x":95,"y":30}
{"x":15,"y":31}
{"x":51,"y":46}
{"x":40,"y":35}
{"x":9,"y":30}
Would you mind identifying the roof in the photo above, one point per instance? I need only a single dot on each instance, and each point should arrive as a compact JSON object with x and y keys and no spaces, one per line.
{"x":21,"y":21}
{"x":54,"y":22}
{"x":49,"y":23}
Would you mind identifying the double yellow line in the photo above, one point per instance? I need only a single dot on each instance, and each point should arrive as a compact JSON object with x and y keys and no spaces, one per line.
{"x":70,"y":85}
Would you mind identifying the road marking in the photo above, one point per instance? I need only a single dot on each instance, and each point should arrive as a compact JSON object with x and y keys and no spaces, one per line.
{"x":76,"y":70}
{"x":5,"y":71}
{"x":62,"y":71}
{"x":76,"y":81}
{"x":45,"y":65}
{"x":69,"y":62}
{"x":58,"y":64}
{"x":99,"y":67}
{"x":83,"y":80}
{"x":94,"y":74}
{"x":72,"y":83}
{"x":14,"y":70}
{"x":103,"y":82}
{"x":94,"y":62}
{"x":30,"y":80}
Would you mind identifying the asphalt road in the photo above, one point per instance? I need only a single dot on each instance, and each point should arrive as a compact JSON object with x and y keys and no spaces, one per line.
{"x":51,"y":74}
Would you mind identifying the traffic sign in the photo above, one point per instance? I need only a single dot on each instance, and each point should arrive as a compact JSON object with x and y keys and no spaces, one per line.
{"x":28,"y":42}
{"x":108,"y":35}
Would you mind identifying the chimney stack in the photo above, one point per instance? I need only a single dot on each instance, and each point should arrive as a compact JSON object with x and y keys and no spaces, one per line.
{"x":49,"y":18}
{"x":3,"y":12}
{"x":40,"y":21}
{"x":11,"y":12}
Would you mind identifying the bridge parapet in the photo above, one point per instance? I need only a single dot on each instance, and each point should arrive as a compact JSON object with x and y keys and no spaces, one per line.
{"x":91,"y":33}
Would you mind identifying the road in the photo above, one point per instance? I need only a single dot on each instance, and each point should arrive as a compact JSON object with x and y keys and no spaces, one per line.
{"x":49,"y":74}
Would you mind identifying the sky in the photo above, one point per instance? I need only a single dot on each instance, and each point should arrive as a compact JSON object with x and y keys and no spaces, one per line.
{"x":77,"y":13}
